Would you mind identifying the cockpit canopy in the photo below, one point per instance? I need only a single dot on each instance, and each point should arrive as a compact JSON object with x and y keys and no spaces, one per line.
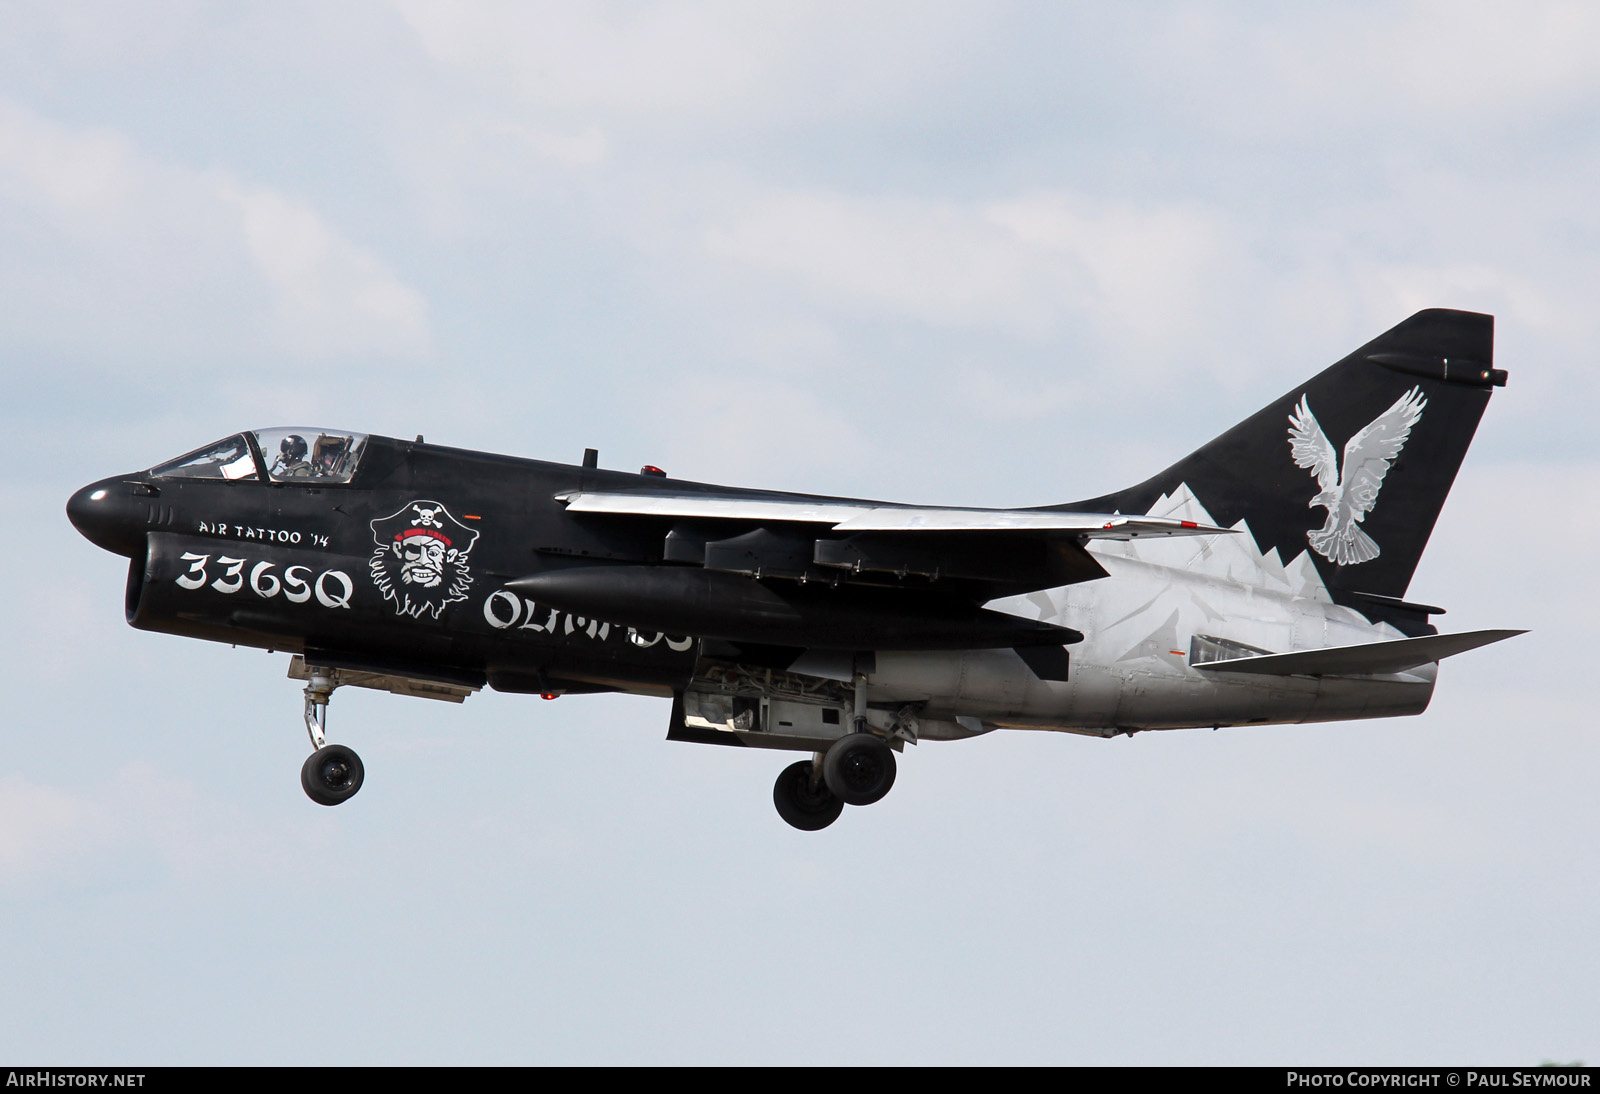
{"x":318,"y":455}
{"x":303,"y":454}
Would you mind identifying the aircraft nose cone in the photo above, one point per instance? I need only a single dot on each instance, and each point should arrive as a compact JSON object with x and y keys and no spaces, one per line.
{"x":103,"y":513}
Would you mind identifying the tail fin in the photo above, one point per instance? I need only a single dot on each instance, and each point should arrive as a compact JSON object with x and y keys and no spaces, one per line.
{"x":1352,"y":466}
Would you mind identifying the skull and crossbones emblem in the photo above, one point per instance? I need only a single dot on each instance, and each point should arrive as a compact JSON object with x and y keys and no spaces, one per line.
{"x":420,"y":558}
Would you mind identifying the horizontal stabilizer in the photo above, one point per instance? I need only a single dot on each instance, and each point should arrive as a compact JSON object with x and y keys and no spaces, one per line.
{"x":1369,"y":658}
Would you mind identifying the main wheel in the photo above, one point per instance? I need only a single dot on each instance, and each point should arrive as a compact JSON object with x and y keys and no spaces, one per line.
{"x":859,"y":768}
{"x":331,"y":774}
{"x":808,"y":808}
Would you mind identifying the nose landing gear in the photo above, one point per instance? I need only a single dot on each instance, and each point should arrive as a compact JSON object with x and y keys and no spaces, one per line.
{"x":332,"y":773}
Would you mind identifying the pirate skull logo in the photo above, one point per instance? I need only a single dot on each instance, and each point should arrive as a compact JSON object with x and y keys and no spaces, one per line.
{"x":420,"y":562}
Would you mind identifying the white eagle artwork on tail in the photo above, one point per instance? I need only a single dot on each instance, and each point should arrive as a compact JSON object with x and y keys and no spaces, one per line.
{"x":1367,"y":457}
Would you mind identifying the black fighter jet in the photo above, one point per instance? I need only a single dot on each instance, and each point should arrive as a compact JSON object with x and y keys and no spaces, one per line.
{"x":1261,"y":579}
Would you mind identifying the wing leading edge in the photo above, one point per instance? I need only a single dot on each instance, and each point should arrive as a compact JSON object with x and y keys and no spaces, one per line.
{"x":850,"y":517}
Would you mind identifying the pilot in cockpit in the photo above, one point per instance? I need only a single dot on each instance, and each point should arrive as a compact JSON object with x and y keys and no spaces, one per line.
{"x":291,"y":462}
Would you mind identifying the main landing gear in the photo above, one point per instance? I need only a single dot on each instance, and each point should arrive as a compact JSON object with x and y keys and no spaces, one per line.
{"x":803,"y":799}
{"x":857,"y":769}
{"x":332,"y":773}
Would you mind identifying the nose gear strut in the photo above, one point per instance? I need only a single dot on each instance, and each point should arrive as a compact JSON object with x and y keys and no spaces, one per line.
{"x":319,"y":689}
{"x":332,"y":773}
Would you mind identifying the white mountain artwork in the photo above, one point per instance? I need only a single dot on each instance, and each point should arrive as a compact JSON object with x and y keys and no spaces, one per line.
{"x":1349,"y":497}
{"x":1134,"y":613}
{"x":1235,"y":560}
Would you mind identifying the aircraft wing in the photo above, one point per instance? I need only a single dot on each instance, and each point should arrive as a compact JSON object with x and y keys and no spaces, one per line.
{"x":856,"y":574}
{"x":1368,"y":658}
{"x":851,"y":517}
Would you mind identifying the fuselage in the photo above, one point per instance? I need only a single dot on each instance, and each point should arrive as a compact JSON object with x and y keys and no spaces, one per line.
{"x":405,"y":568}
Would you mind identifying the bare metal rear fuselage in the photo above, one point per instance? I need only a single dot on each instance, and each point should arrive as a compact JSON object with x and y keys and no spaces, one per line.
{"x":1134,"y":670}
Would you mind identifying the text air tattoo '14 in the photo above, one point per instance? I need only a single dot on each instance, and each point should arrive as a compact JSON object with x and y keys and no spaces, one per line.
{"x":1260,"y":580}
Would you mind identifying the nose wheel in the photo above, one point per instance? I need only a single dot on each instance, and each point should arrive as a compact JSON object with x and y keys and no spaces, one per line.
{"x":332,"y":773}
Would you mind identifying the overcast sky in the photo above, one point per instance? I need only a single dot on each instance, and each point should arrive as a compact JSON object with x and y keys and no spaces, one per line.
{"x":981,"y":254}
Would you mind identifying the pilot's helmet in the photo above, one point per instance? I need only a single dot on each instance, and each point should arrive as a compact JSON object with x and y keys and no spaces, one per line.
{"x":293,"y":448}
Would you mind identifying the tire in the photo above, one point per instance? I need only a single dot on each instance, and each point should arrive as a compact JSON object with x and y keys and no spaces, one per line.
{"x":859,"y":768}
{"x":332,"y":774}
{"x":805,"y":807}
